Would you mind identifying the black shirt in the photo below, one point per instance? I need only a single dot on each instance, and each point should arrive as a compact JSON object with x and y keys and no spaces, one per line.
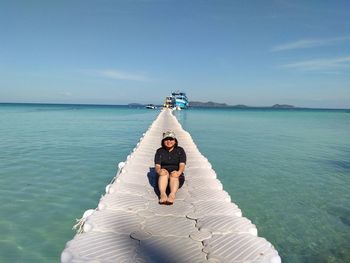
{"x":170,"y":160}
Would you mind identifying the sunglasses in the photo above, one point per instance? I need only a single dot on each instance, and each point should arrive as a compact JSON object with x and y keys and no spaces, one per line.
{"x":169,"y":139}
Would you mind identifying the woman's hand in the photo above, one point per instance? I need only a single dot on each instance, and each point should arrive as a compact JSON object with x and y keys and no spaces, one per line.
{"x":175,"y":174}
{"x":163,"y":172}
{"x":160,"y":171}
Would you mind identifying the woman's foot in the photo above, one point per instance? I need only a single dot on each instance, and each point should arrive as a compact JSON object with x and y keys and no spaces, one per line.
{"x":163,"y":199}
{"x":171,"y":199}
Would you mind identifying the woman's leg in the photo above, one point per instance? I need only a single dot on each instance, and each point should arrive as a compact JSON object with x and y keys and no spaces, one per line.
{"x":162,"y":185}
{"x":174,"y":186}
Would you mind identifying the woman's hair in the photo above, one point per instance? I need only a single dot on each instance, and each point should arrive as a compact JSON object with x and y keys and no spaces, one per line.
{"x":163,"y":145}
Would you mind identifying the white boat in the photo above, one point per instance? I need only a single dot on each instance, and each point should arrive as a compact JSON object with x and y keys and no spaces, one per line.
{"x":168,"y":102}
{"x":180,"y":100}
{"x":151,"y":106}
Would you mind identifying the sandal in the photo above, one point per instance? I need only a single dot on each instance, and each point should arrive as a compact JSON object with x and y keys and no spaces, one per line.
{"x":163,"y":199}
{"x":171,"y":199}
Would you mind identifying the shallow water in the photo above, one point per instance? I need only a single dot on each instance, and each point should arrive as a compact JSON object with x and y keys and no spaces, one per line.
{"x":289,"y":171}
{"x":55,"y":163}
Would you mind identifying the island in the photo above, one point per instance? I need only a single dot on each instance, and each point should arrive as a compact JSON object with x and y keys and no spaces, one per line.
{"x":211,"y":104}
{"x":282,"y":106}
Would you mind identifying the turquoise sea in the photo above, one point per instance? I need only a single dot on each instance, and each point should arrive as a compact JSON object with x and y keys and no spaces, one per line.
{"x":288,"y":170}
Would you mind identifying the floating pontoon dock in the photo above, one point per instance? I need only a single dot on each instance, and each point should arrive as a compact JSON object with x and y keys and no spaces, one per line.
{"x":203,"y":225}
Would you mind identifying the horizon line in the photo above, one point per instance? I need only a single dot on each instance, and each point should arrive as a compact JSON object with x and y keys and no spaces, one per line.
{"x":141,"y":104}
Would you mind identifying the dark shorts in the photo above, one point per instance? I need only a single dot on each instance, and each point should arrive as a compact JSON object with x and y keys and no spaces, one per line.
{"x":169,"y":169}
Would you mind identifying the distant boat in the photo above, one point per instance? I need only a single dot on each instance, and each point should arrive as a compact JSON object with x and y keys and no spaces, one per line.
{"x":151,"y":106}
{"x":168,"y":102}
{"x":180,"y":100}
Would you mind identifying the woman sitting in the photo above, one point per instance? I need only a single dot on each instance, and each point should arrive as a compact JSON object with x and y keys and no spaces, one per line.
{"x":170,"y":161}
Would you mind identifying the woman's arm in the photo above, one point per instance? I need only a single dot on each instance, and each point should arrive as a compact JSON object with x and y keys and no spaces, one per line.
{"x":158,"y":168}
{"x":181,"y":168}
{"x":180,"y":171}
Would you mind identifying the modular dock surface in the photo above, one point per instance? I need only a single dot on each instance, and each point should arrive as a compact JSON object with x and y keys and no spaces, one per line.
{"x":203,"y":225}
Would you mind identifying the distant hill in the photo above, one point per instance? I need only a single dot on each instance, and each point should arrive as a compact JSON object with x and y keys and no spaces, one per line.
{"x":240,"y":106}
{"x":283,"y":106}
{"x":209,"y":104}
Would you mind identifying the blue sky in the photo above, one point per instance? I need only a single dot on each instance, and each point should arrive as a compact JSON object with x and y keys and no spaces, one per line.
{"x":256,"y":53}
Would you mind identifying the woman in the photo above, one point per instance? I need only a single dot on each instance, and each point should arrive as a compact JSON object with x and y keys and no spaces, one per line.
{"x":170,"y":161}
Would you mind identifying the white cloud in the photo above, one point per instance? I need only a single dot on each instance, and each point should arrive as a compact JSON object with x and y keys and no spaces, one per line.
{"x":328,"y":64}
{"x":121,"y":75}
{"x":309,"y":43}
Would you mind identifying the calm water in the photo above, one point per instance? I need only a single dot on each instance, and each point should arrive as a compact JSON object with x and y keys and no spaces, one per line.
{"x":289,"y":171}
